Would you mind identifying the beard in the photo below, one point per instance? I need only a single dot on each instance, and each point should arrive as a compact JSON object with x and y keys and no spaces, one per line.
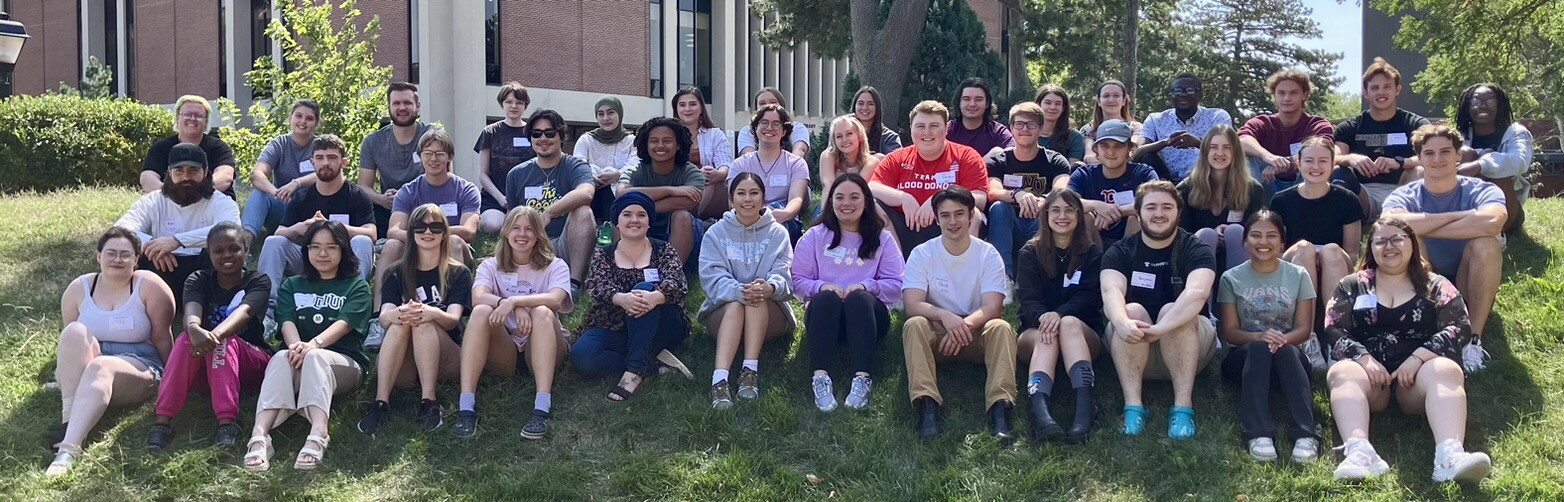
{"x":411,"y":119}
{"x":327,"y":175}
{"x":187,"y":193}
{"x":1155,"y":235}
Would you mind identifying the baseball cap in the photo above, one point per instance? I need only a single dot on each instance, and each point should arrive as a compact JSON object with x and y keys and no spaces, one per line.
{"x":186,"y":154}
{"x":1114,"y":129}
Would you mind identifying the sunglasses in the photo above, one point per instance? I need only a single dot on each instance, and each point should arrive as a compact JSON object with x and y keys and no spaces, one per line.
{"x":420,"y":228}
{"x":541,"y":133}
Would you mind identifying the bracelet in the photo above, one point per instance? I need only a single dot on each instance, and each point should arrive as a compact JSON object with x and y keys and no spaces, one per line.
{"x":1420,"y":359}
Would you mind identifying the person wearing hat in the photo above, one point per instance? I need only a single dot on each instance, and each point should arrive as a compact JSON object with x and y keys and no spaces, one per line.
{"x":1109,"y":187}
{"x":174,"y":219}
{"x":192,"y":117}
{"x":608,"y":149}
{"x":637,"y":288}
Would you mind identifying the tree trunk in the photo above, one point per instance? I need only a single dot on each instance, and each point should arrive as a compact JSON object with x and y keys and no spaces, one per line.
{"x":883,"y":54}
{"x":1131,"y":45}
{"x":1235,"y":70}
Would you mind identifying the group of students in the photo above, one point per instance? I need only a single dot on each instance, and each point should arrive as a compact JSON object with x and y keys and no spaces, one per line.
{"x":1081,"y":236}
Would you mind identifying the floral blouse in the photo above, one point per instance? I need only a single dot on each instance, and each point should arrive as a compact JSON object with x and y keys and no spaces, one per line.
{"x":606,"y":279}
{"x":1391,"y":334}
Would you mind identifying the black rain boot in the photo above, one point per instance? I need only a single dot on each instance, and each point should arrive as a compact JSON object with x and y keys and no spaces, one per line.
{"x":1044,"y":428}
{"x":999,"y":422}
{"x":1085,"y":415}
{"x":928,"y":417}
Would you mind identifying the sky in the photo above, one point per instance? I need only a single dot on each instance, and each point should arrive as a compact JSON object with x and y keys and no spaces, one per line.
{"x":1342,"y":27}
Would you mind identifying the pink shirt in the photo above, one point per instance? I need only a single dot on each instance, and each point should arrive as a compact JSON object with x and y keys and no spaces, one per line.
{"x":526,"y":281}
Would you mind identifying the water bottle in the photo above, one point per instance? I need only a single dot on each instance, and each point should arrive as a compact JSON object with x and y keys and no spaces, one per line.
{"x":605,"y":235}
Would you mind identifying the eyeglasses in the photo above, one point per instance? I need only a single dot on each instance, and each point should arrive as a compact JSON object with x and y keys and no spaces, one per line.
{"x":192,"y":116}
{"x":434,"y":154}
{"x":541,"y":133}
{"x":768,"y":124}
{"x":119,"y":255}
{"x":1062,"y":211}
{"x":1185,"y":91}
{"x":325,"y":249}
{"x":1023,"y":125}
{"x":1396,"y":241}
{"x":435,"y":228}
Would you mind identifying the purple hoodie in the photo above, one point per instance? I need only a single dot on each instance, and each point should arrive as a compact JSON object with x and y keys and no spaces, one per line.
{"x":815,"y":266}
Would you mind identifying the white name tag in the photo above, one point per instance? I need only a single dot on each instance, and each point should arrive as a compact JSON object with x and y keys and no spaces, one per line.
{"x":449,"y":209}
{"x":170,"y":226}
{"x":1293,"y":148}
{"x":1235,"y":216}
{"x":532,"y":193}
{"x":836,"y":253}
{"x":508,"y":281}
{"x":621,"y":160}
{"x":417,"y":159}
{"x":777,"y":180}
{"x":945,"y":177}
{"x":652,"y":275}
{"x":1072,"y":279}
{"x":1366,"y":302}
{"x":1123,"y":198}
{"x":1012,"y":181}
{"x":943,"y":286}
{"x":1143,"y":280}
{"x":1396,"y":139}
{"x":121,"y":323}
{"x":306,"y":167}
{"x":339,"y":218}
{"x":520,"y":142}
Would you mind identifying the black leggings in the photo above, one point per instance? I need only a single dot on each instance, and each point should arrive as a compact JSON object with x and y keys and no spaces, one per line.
{"x":1252,"y":366}
{"x":829,"y":320}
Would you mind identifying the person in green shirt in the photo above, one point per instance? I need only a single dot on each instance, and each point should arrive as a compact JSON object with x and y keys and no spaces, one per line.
{"x":323,"y":314}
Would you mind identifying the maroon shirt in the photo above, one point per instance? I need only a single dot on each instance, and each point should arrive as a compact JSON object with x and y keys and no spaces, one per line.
{"x":1278,"y":139}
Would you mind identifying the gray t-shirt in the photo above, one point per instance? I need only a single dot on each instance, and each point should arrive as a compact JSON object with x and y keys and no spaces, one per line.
{"x":289,"y":161}
{"x":1265,"y":301}
{"x":397,"y":163}
{"x":541,"y":188}
{"x":1470,"y":193}
{"x":641,"y":175}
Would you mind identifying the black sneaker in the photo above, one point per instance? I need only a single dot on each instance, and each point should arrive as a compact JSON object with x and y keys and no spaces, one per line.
{"x":466,"y":424}
{"x":159,"y":437}
{"x":374,"y":417}
{"x":430,"y":415}
{"x":227,"y":435}
{"x":537,"y":425}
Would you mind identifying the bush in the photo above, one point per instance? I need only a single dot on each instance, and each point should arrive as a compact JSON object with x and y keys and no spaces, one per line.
{"x":57,"y":141}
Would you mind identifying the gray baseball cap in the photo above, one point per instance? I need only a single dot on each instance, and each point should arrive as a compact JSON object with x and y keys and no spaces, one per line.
{"x":1116,"y":130}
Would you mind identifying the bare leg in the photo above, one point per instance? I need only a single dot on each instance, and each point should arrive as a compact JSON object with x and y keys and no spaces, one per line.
{"x":1352,"y":397}
{"x":389,"y":255}
{"x":1181,"y":352}
{"x":582,"y":235}
{"x":426,"y":357}
{"x":681,"y":234}
{"x":490,"y":221}
{"x":75,"y":349}
{"x":1478,"y":279}
{"x":1130,"y":358}
{"x":388,"y":365}
{"x":106,"y":381}
{"x":756,"y":320}
{"x":1077,"y":341}
{"x":543,"y":350}
{"x":730,"y":329}
{"x":1044,"y":356}
{"x":1440,"y":392}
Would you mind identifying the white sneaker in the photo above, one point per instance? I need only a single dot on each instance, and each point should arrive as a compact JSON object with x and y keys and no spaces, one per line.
{"x":1311,"y":350}
{"x":1262,"y":449}
{"x":1361,"y":461}
{"x":858,"y":395}
{"x":376,"y":335}
{"x":1453,"y":463}
{"x":269,"y":326}
{"x":1306,"y":450}
{"x":825,"y":396}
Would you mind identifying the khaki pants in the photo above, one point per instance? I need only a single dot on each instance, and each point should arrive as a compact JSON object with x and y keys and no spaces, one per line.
{"x":1156,"y":367}
{"x":994,"y":346}
{"x":323,"y":375}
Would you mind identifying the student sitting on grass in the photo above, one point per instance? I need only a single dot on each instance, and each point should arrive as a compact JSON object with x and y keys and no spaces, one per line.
{"x":1324,"y":221}
{"x":522,"y":291}
{"x":223,"y":348}
{"x":323,"y":314}
{"x":1396,"y":326}
{"x":1267,"y":314}
{"x":847,"y":268}
{"x":1219,"y":196}
{"x":425,"y":295}
{"x":637,"y":289}
{"x":1061,"y":313}
{"x":115,"y":340}
{"x":744,"y":272}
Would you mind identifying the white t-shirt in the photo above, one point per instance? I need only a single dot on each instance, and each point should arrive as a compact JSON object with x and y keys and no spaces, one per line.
{"x":956,"y":283}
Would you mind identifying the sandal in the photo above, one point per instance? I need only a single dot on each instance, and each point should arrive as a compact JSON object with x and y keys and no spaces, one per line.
{"x":1181,"y":422}
{"x":63,"y":460}
{"x":310,"y":457}
{"x":1134,"y":420}
{"x":264,"y":455}
{"x":620,"y":394}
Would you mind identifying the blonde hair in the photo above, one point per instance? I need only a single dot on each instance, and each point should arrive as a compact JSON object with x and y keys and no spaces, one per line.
{"x":542,"y":249}
{"x":206,"y":106}
{"x":409,"y":264}
{"x":1236,"y":186}
{"x":862,"y":158}
{"x":930,"y":107}
{"x":1030,"y":109}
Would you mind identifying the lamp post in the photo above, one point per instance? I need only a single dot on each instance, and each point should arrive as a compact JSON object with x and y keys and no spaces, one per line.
{"x":12,"y":36}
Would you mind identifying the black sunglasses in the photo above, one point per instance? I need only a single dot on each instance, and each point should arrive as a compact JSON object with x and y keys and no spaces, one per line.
{"x":423,"y":227}
{"x":539,"y":133}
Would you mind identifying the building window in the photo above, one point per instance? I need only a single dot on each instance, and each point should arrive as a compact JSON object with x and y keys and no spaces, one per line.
{"x":260,"y":44}
{"x":222,"y":48}
{"x":130,"y":49}
{"x":491,"y":42}
{"x":111,"y":44}
{"x":655,"y":49}
{"x":695,"y":45}
{"x":412,"y":40}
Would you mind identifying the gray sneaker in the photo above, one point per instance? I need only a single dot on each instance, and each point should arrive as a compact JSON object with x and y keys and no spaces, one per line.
{"x":269,"y":326}
{"x":825,"y":397}
{"x":376,"y":335}
{"x":749,"y":384}
{"x":858,"y":395}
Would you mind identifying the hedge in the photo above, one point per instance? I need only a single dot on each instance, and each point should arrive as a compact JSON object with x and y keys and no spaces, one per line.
{"x":54,"y":141}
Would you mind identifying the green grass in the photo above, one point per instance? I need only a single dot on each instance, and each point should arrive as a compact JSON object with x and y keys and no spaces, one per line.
{"x":666,"y":444}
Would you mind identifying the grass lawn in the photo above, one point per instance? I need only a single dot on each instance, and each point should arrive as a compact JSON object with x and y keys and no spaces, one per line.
{"x":667,"y":443}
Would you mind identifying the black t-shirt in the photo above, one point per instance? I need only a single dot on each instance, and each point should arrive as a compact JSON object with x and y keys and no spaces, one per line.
{"x":1149,"y":272}
{"x":254,"y":289}
{"x":1391,"y":138}
{"x":1037,"y":175}
{"x":1195,"y":218}
{"x":350,"y":205}
{"x":217,"y":154}
{"x":458,"y":290}
{"x":1320,"y":220}
{"x":1488,"y":141}
{"x":508,"y":147}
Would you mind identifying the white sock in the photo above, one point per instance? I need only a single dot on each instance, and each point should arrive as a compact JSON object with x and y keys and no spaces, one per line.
{"x":717,"y":376}
{"x":752,"y":365}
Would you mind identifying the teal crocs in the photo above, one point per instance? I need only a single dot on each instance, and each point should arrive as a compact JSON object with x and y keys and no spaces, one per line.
{"x":1181,"y":422}
{"x":1134,"y":419}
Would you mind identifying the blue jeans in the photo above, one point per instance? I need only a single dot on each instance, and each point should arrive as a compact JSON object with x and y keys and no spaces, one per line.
{"x":261,"y":210}
{"x":1006,"y":227}
{"x":601,"y":352}
{"x":1257,"y":166}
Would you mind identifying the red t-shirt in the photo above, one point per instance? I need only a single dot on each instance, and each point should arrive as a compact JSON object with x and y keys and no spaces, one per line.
{"x":907,"y":171}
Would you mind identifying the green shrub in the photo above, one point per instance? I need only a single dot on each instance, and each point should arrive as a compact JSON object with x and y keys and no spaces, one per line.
{"x":57,"y":141}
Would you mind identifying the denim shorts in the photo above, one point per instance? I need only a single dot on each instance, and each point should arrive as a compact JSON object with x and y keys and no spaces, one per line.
{"x":144,"y":352}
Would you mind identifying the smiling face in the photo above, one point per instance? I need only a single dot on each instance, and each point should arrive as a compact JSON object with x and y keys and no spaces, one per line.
{"x":521,"y":237}
{"x":1062,"y":217}
{"x":1440,"y":157}
{"x":1025,"y":129}
{"x":1185,"y":93}
{"x":1112,"y":153}
{"x":403,"y":106}
{"x":1288,"y":97}
{"x":435,"y":159}
{"x":974,"y":103}
{"x":845,"y":138}
{"x":768,"y":131}
{"x":1053,"y":106}
{"x":117,"y":258}
{"x":662,"y":144}
{"x":748,"y":198}
{"x":1392,"y":249}
{"x":688,"y":108}
{"x":1316,"y":163}
{"x":954,"y":219}
{"x":546,"y":137}
{"x":848,"y":202}
{"x":428,"y":234}
{"x":1159,"y":215}
{"x":328,"y":164}
{"x":1111,"y":99}
{"x":607,"y":117}
{"x":1263,"y":240}
{"x":324,"y":253}
{"x":1484,"y":106}
{"x":303,"y":121}
{"x":864,"y":108}
{"x":228,"y":252}
{"x":928,"y":133}
{"x":1219,"y":153}
{"x":633,"y":222}
{"x":192,"y":119}
{"x":1381,"y":91}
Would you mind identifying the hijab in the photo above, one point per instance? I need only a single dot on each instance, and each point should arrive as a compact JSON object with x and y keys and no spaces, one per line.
{"x":617,"y":134}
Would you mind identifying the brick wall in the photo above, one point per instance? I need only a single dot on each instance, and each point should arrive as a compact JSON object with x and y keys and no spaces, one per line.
{"x":992,"y":14}
{"x":53,"y":54}
{"x":392,"y":49}
{"x":176,"y":49}
{"x":545,"y":43}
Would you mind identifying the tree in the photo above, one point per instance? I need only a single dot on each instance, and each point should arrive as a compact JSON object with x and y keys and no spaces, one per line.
{"x":952,"y":49}
{"x":1250,"y":36}
{"x":329,"y":52}
{"x":1515,"y":43}
{"x":882,"y":36}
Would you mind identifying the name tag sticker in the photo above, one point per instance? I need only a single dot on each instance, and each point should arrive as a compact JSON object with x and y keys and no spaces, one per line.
{"x":417,"y":159}
{"x":121,"y":323}
{"x":1235,"y":216}
{"x":303,"y":300}
{"x":449,"y":209}
{"x":532,"y":193}
{"x":652,"y":275}
{"x":339,"y":218}
{"x":943,"y":285}
{"x":945,"y":177}
{"x":306,"y":167}
{"x":508,"y":281}
{"x":777,"y":180}
{"x":1123,"y":198}
{"x":1012,"y":181}
{"x":1072,"y":279}
{"x":1366,"y":302}
{"x":621,"y":160}
{"x":1143,"y":280}
{"x":170,"y":226}
{"x":520,"y":142}
{"x":1293,"y":148}
{"x":1395,"y":139}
